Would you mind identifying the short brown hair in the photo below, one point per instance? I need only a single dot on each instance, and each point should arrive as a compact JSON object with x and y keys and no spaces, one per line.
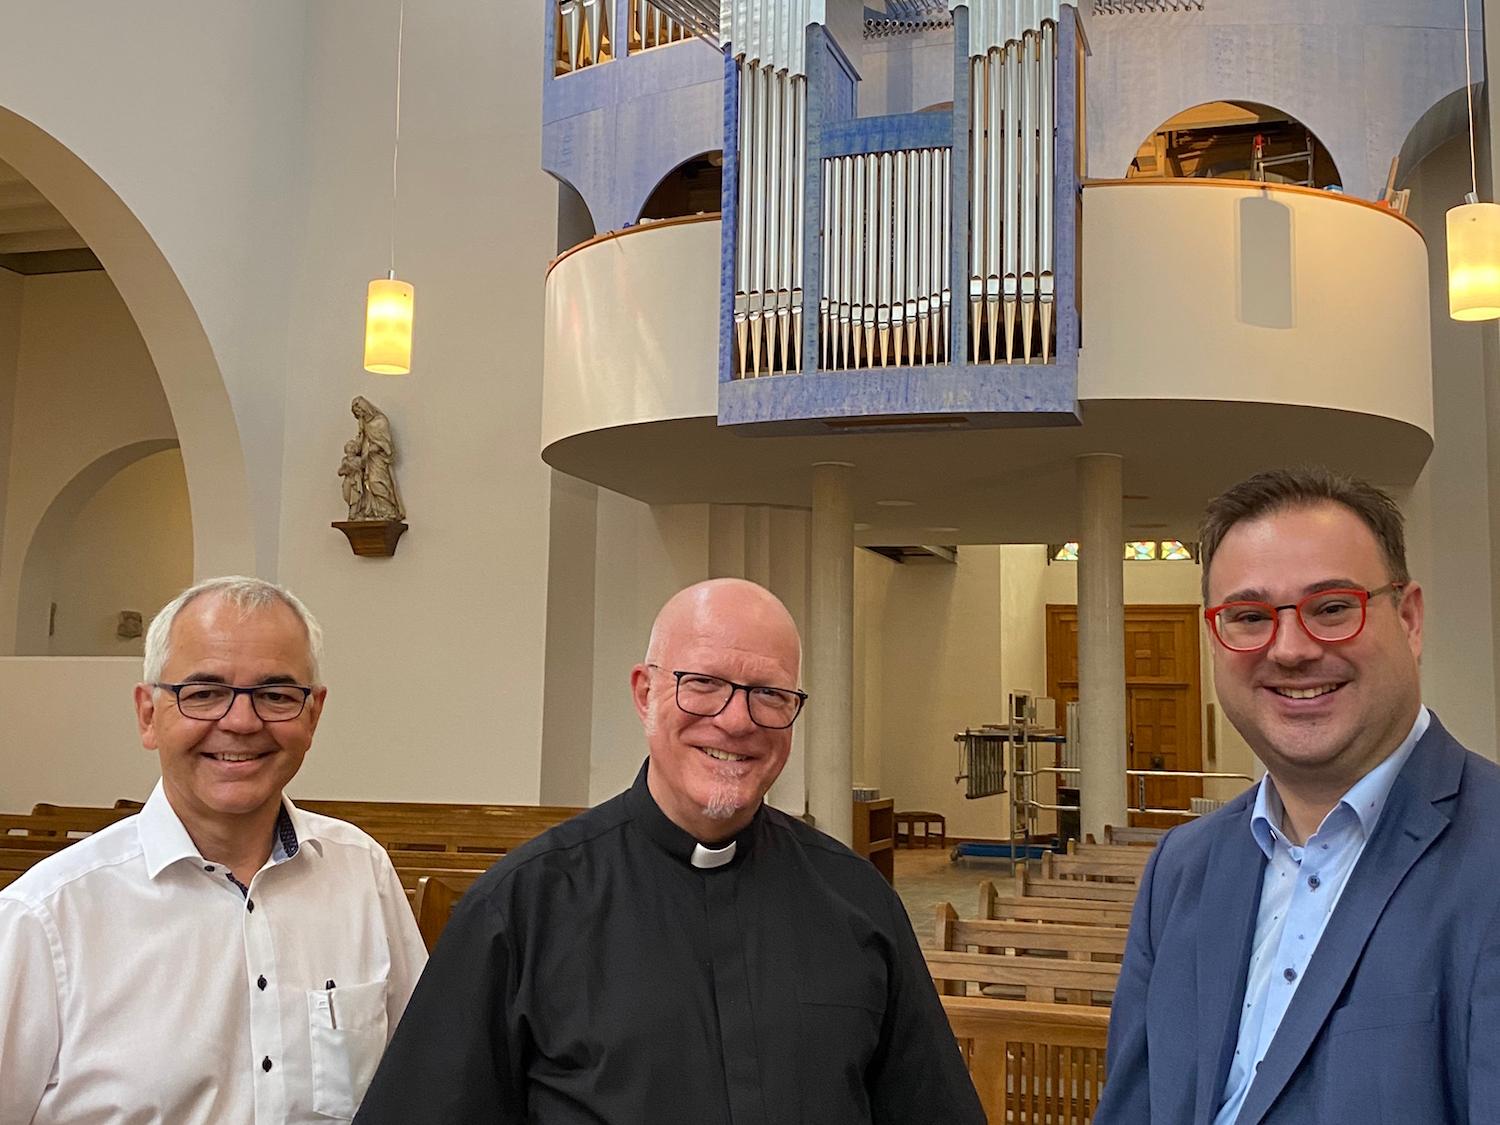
{"x":1278,"y":489}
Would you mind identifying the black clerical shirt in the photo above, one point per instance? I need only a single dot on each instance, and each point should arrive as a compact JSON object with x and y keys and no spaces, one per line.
{"x":596,"y":976}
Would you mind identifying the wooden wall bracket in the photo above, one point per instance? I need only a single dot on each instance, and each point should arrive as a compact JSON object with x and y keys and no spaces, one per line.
{"x":372,"y":538}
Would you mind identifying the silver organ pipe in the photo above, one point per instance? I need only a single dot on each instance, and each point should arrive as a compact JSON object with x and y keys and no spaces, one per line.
{"x":1012,"y":179}
{"x":1046,"y":186}
{"x":885,"y":259}
{"x":768,"y":46}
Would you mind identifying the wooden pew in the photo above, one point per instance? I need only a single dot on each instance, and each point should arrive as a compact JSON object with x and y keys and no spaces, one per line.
{"x":1078,"y":911}
{"x":1090,"y":869}
{"x":435,"y":899}
{"x":1044,"y":980}
{"x":1032,"y":1064}
{"x":1136,"y":837}
{"x":1039,"y":886}
{"x":997,"y":935}
{"x":1115,"y":853}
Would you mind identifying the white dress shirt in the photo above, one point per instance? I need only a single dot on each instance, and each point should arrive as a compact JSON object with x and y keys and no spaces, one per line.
{"x":141,"y":985}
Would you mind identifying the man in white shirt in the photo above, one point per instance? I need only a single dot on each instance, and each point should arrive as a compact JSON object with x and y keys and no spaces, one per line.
{"x":223,"y":957}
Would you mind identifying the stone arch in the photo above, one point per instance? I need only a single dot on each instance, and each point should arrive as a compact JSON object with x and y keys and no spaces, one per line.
{"x":224,"y":527}
{"x":1231,"y":139}
{"x":575,"y":222}
{"x":1445,"y":119}
{"x":45,"y":540}
{"x":694,"y":186}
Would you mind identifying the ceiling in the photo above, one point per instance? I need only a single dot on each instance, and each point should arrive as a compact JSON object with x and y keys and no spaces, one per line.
{"x":34,"y":236}
{"x":999,"y":485}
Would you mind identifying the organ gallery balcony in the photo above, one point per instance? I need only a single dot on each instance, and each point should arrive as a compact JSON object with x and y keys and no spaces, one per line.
{"x":1225,"y":326}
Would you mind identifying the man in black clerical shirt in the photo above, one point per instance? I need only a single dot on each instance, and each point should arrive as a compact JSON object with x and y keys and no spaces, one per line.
{"x":683,"y":953}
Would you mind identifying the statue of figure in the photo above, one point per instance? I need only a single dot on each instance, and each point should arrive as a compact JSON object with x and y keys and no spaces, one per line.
{"x":352,"y":470}
{"x":376,"y":451}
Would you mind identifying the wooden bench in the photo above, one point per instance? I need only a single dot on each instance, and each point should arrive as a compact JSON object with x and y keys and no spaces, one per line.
{"x":1090,"y":869}
{"x":1073,"y":940}
{"x":928,"y":820}
{"x":1031,"y":1064}
{"x":1114,"y":853}
{"x":436,"y":896}
{"x":1077,"y":911}
{"x":1037,"y":886}
{"x":1136,"y":837}
{"x":1047,"y":980}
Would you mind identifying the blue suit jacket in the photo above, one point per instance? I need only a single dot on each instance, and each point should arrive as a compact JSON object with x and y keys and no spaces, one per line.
{"x":1397,"y":1018}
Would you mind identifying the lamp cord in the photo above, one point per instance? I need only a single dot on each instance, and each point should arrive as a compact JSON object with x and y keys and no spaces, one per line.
{"x":1469,"y":91}
{"x":395,"y":149}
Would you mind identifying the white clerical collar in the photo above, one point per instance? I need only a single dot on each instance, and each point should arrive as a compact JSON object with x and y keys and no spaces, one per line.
{"x":713,"y":857}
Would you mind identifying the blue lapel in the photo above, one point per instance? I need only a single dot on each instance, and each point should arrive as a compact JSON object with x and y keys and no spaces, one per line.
{"x":1407,"y":828}
{"x":1232,"y":884}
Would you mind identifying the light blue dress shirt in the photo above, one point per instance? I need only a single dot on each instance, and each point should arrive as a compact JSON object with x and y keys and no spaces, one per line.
{"x":1301,"y":887}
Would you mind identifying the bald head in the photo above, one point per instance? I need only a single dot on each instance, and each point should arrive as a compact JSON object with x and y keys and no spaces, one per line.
{"x":709,"y":772}
{"x":726,"y":608}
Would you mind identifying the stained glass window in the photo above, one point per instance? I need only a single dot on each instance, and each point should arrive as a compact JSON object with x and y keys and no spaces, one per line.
{"x":1141,"y":550}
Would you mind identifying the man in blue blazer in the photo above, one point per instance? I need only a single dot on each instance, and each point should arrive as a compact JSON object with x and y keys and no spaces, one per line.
{"x":1326,"y":947}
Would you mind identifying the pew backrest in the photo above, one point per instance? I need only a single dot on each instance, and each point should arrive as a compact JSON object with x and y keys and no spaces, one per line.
{"x":992,"y":904}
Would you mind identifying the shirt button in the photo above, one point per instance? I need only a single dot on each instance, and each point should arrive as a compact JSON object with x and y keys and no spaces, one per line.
{"x":1290,"y":974}
{"x":261,"y":983}
{"x":265,"y":1063}
{"x":250,"y":905}
{"x":1314,"y":882}
{"x":208,"y":867}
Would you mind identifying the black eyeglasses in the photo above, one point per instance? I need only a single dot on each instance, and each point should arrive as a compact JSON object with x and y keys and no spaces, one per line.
{"x":706,"y":696}
{"x":272,"y":703}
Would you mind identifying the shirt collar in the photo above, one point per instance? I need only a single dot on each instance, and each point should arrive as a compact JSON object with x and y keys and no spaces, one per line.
{"x":678,"y":842}
{"x":1366,"y":798}
{"x":165,"y":841}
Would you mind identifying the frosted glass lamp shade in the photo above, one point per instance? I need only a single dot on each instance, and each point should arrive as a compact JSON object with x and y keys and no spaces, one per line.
{"x":1474,"y":261}
{"x":388,"y":317}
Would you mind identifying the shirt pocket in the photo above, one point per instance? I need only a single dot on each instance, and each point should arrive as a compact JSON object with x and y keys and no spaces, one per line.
{"x":348,"y":1028}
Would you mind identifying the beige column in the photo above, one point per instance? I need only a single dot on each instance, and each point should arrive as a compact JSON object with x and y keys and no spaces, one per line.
{"x":1101,"y":641}
{"x":830,"y":652}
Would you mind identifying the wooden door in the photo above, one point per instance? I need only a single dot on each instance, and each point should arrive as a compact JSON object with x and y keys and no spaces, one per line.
{"x":1163,"y":695}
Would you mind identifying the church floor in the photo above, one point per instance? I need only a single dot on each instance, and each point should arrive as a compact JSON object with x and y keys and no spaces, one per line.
{"x":926,"y":877}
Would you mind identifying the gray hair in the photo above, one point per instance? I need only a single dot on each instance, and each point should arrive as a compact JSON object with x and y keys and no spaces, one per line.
{"x":247,"y":595}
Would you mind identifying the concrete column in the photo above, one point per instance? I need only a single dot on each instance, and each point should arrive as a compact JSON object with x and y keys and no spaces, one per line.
{"x":1101,"y":641}
{"x":830,"y":652}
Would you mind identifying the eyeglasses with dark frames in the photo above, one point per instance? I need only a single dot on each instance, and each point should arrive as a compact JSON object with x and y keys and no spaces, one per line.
{"x":210,"y":702}
{"x":1327,"y":616}
{"x":703,"y":695}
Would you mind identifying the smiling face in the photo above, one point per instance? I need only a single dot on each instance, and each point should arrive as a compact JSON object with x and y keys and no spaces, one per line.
{"x":218,"y":774}
{"x":708,"y":775}
{"x":1318,"y":715}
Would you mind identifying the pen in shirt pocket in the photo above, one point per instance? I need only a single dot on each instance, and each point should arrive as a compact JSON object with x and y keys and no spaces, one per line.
{"x":333,"y":1021}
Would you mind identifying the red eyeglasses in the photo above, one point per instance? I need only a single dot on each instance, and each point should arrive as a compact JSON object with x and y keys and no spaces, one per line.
{"x":1328,"y":616}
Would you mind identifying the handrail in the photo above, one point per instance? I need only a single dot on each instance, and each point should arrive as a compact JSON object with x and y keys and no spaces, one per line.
{"x":1257,"y":185}
{"x":649,"y":224}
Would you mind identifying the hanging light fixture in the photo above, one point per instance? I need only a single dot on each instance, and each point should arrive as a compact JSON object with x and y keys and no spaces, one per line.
{"x":388,"y":303}
{"x":1473,"y":234}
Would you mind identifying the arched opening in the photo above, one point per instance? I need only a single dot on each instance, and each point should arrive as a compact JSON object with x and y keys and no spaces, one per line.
{"x":116,"y":539}
{"x":227,"y":538}
{"x":694,"y":187}
{"x":575,"y":223}
{"x":1234,"y":140}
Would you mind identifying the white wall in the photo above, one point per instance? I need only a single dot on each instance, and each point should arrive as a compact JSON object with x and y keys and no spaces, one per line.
{"x":11,"y":288}
{"x":1449,"y":549}
{"x":100,"y":760}
{"x":85,"y":387}
{"x":130,"y":547}
{"x":934,"y":670}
